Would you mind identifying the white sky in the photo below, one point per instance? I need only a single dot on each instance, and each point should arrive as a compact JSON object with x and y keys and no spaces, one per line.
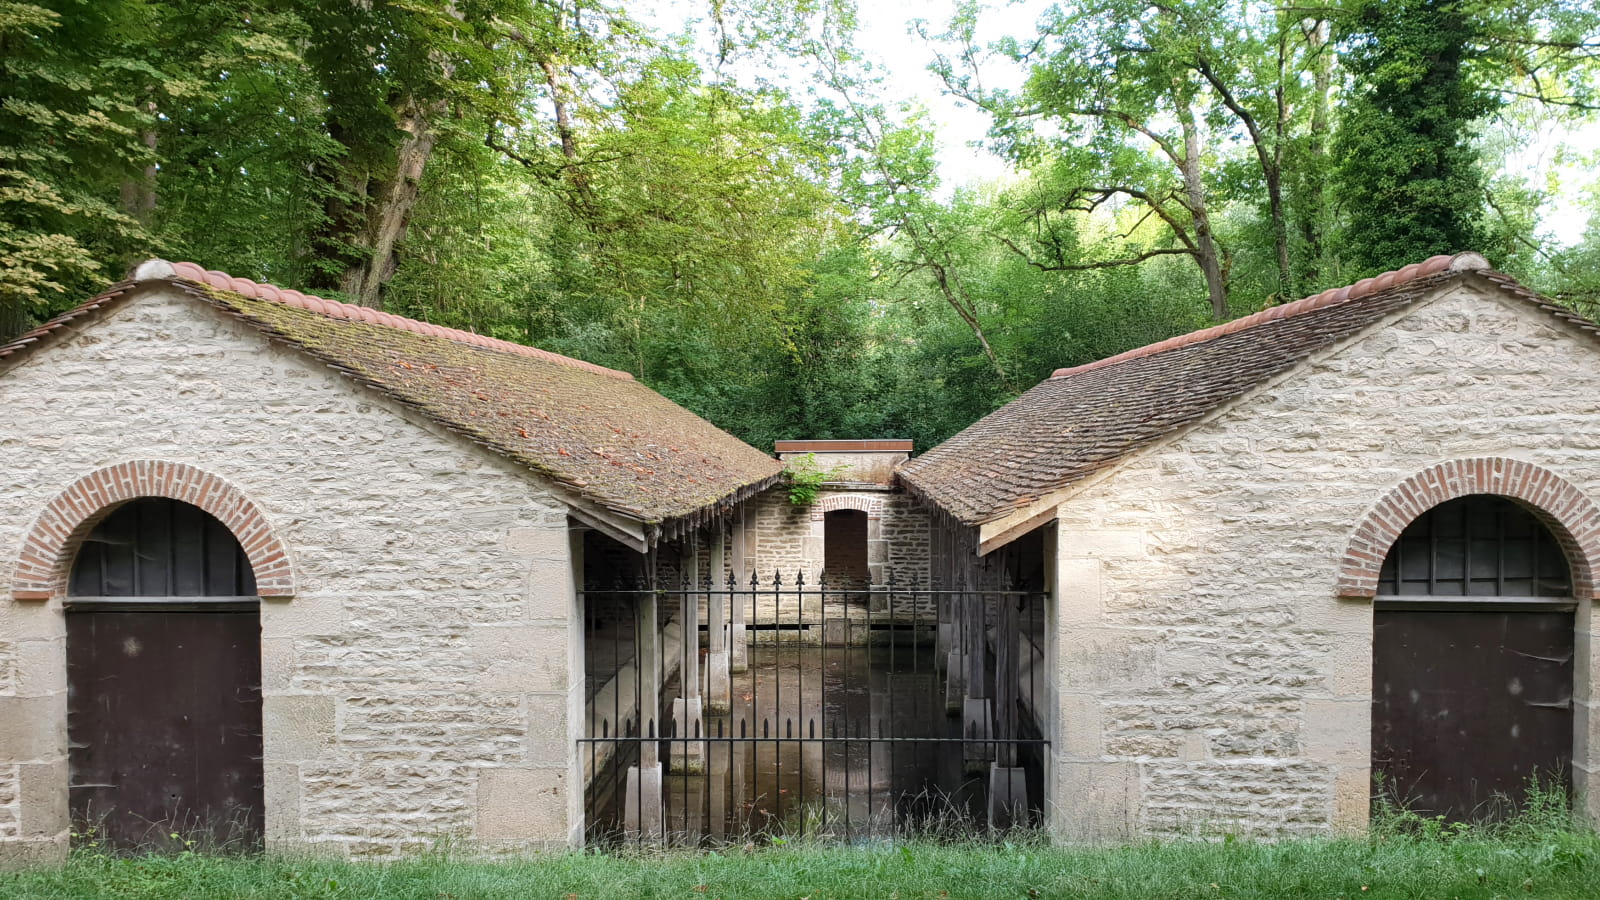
{"x":887,"y":37}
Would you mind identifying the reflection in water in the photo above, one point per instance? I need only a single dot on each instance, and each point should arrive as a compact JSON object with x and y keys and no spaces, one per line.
{"x":816,"y":741}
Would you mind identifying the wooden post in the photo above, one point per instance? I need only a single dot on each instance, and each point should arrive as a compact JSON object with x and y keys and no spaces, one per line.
{"x":1008,"y":796}
{"x":642,"y":807}
{"x":976,"y":710}
{"x":687,"y":754}
{"x":738,"y":647}
{"x":718,"y":684}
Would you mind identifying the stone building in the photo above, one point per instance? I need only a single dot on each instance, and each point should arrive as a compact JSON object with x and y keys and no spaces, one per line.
{"x":861,"y":529}
{"x":1287,"y":552}
{"x":374,"y":543}
{"x":400,"y":504}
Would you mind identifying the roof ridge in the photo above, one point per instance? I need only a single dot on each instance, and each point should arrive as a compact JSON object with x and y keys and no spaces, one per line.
{"x":188,"y":271}
{"x":1433,"y":265}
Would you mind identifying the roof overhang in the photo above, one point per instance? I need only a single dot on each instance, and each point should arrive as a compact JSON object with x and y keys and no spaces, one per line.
{"x":997,"y":533}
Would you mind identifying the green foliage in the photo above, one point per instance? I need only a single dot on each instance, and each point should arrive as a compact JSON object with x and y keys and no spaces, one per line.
{"x":1409,"y":181}
{"x":1540,"y":861}
{"x":804,"y":478}
{"x":769,"y":243}
{"x":69,"y":133}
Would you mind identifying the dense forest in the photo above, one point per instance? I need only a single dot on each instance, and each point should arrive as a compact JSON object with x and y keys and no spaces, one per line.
{"x":737,"y":216}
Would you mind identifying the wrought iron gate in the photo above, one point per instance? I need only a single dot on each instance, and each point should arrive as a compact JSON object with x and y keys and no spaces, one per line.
{"x":791,"y":708}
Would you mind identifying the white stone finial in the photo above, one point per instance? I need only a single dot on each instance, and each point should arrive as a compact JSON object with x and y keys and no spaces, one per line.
{"x":1469,"y":262}
{"x":153,"y":268}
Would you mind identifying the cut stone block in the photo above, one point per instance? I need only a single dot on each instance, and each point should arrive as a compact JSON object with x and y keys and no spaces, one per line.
{"x":1008,"y":796}
{"x":738,"y":648}
{"x":643,"y":793}
{"x":955,"y":682}
{"x":976,"y":749}
{"x":719,"y":684}
{"x":686,"y":754}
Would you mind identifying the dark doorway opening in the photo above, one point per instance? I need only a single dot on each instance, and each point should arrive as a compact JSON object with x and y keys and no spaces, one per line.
{"x":844,"y":548}
{"x":164,"y":684}
{"x":1472,"y":662}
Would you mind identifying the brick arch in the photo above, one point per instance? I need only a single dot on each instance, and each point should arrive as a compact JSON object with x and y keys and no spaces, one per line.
{"x":52,"y":542}
{"x":872,"y":506}
{"x":1571,"y":516}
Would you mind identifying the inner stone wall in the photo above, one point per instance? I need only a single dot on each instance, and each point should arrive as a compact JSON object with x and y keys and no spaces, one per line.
{"x":787,"y":538}
{"x":422,"y":684}
{"x":1208,"y":676}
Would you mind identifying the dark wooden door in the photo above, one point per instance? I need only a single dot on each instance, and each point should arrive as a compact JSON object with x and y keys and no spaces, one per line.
{"x":164,"y":683}
{"x":1469,"y":706}
{"x":164,"y":724}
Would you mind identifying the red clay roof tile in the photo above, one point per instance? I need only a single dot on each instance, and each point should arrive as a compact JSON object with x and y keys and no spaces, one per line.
{"x":595,"y":430}
{"x":1086,"y":418}
{"x":247,"y":288}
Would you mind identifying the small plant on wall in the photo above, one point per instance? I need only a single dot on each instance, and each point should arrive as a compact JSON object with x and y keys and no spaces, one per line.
{"x":806,"y":478}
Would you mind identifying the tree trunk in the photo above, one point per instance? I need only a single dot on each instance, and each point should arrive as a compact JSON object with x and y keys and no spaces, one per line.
{"x":139,"y":194}
{"x":368,"y":216}
{"x":1314,"y":216}
{"x":1206,"y":253}
{"x":1280,"y":233}
{"x":558,"y":98}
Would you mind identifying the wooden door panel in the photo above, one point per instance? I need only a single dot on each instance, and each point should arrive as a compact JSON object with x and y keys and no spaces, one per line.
{"x":164,"y":727}
{"x":1469,"y":706}
{"x":844,"y":548}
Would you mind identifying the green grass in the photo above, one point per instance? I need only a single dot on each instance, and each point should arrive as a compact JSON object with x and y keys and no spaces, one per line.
{"x":1540,"y":854}
{"x":1553,"y":865}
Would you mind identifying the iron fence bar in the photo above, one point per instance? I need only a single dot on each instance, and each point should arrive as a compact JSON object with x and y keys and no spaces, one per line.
{"x":892,"y":607}
{"x":874,"y":589}
{"x":1042,"y":742}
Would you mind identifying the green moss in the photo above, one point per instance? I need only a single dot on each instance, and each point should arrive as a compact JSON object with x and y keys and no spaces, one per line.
{"x":612,"y":440}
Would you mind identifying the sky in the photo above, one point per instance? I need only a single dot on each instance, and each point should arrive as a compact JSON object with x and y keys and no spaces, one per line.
{"x":886,"y":34}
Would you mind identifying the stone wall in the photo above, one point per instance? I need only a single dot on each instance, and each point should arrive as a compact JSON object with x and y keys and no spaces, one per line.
{"x":9,"y":830}
{"x":779,"y":539}
{"x":907,"y":538}
{"x":1208,"y":674}
{"x":423,"y":681}
{"x":787,"y":538}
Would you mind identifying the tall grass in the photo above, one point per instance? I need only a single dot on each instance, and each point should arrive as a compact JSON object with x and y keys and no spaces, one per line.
{"x":1541,"y":853}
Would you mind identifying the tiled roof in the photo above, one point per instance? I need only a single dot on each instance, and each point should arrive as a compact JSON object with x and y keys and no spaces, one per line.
{"x":596,"y":431}
{"x":1086,"y":418}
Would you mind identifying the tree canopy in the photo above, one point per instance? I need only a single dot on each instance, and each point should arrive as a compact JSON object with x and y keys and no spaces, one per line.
{"x":738,"y":216}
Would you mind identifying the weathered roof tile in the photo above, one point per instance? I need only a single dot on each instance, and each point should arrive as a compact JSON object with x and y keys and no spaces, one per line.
{"x":597,"y":431}
{"x":1086,"y":418}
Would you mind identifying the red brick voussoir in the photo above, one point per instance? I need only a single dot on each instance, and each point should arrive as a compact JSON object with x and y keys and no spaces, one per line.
{"x":872,"y":506}
{"x":1571,"y":516}
{"x":53,"y":541}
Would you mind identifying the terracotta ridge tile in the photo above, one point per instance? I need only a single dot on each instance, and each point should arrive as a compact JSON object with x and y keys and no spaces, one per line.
{"x":1459,"y":262}
{"x":188,"y":271}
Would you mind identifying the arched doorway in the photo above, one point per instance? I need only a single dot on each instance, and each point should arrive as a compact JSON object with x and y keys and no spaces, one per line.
{"x":844,"y":548}
{"x":164,"y":682}
{"x":1472,"y":673}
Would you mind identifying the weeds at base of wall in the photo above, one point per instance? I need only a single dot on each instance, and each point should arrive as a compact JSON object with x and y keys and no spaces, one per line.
{"x":1544,"y":852}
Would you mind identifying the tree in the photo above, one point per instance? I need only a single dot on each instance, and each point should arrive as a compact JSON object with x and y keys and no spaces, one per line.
{"x":1148,"y":98}
{"x":68,"y":137}
{"x":888,"y":173}
{"x":1409,"y":184}
{"x":392,"y":72}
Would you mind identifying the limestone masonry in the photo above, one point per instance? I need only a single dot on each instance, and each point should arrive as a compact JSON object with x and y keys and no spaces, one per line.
{"x":1209,"y":521}
{"x":417,"y":683}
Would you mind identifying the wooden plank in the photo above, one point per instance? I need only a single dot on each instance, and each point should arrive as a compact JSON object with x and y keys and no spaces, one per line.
{"x":164,"y":727}
{"x":1468,"y":707}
